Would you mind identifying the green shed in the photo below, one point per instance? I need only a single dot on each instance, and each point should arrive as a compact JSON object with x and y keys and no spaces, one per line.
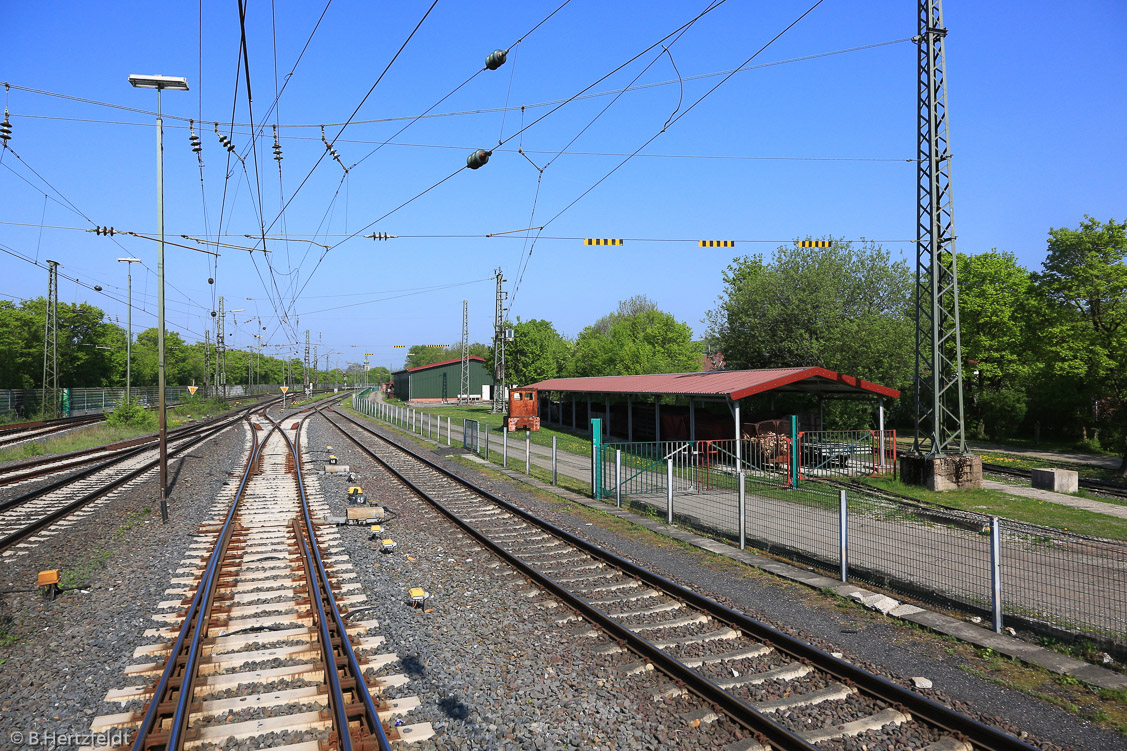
{"x":440,"y":381}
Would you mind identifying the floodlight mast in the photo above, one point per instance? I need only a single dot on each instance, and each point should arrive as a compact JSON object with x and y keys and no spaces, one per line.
{"x":160,"y":83}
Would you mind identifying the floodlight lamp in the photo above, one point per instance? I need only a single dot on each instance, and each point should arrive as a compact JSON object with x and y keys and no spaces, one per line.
{"x":158,"y":82}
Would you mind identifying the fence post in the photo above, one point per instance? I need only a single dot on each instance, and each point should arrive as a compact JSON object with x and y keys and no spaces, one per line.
{"x":743,"y":510}
{"x":794,"y":451}
{"x":843,"y":535}
{"x":528,"y":452}
{"x":597,"y":456}
{"x":486,"y":443}
{"x":669,"y":490}
{"x":996,"y":572}
{"x":555,"y":468}
{"x":505,"y":446}
{"x":618,"y":478}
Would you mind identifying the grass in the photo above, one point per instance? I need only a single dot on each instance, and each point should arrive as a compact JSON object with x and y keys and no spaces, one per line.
{"x":1020,"y":461}
{"x":997,"y":503}
{"x":98,"y":434}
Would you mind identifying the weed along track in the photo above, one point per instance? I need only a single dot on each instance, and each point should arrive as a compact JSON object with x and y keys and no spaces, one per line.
{"x":721,"y":678}
{"x":257,"y":641}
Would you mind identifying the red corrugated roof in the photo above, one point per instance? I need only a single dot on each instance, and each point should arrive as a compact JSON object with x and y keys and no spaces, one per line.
{"x":436,"y":364}
{"x":734,"y":384}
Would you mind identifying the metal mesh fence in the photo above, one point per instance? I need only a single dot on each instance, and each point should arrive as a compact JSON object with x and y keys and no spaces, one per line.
{"x":75,"y":402}
{"x":932,"y":554}
{"x":1072,"y":581}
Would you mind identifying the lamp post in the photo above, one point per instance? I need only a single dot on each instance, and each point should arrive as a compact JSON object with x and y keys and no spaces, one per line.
{"x":129,"y":317}
{"x":176,"y":84}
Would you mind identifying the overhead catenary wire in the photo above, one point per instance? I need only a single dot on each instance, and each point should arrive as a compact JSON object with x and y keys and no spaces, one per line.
{"x":462,"y":113}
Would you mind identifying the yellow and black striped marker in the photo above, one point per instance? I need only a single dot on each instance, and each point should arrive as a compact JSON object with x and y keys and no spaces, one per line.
{"x":814,"y":243}
{"x":717,"y":243}
{"x":602,"y":241}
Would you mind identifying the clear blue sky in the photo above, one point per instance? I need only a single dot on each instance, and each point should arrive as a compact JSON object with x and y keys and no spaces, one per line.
{"x":814,"y":147}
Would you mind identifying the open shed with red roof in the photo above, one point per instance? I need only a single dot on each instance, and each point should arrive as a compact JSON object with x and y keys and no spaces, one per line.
{"x":631,"y":406}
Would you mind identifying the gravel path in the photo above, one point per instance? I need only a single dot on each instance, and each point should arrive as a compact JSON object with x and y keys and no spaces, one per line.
{"x":65,"y":655}
{"x":866,"y":639}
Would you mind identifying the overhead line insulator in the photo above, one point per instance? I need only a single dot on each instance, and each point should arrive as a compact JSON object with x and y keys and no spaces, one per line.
{"x":478,"y":159}
{"x":5,"y":129}
{"x":108,"y":231}
{"x":602,"y":241}
{"x":381,"y":236}
{"x":496,"y":59}
{"x":716,"y":243}
{"x":814,"y":243}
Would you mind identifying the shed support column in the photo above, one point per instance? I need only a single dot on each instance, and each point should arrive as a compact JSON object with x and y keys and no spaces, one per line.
{"x":606,"y":401}
{"x":573,"y":411}
{"x":821,"y":412}
{"x":735,"y":408}
{"x":692,"y":419}
{"x":630,"y":419}
{"x":880,"y":428}
{"x":589,"y":423}
{"x":657,"y":418}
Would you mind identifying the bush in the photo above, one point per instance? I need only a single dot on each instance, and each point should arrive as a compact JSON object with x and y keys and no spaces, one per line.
{"x":132,"y":415}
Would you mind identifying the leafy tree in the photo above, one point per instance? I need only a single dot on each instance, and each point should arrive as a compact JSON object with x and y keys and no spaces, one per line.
{"x":537,"y":352}
{"x":994,"y":317}
{"x":1084,"y":331}
{"x":844,"y":308}
{"x":648,"y":341}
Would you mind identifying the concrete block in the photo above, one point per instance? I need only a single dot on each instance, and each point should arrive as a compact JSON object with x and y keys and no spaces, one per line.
{"x":881,"y":603}
{"x":1056,"y":480}
{"x":942,"y":473}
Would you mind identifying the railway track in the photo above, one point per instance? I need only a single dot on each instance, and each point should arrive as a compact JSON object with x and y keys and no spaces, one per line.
{"x":258,"y":643}
{"x":11,"y":435}
{"x":1114,"y":490}
{"x":33,"y":513}
{"x":783,"y":693}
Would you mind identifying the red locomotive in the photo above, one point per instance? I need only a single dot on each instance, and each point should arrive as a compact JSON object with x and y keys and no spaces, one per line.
{"x":523,"y":408}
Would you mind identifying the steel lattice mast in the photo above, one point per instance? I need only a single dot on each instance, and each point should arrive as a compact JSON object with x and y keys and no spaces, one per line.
{"x":220,"y":352}
{"x":464,"y":386}
{"x":50,"y":406}
{"x":939,"y":379}
{"x":499,"y":349}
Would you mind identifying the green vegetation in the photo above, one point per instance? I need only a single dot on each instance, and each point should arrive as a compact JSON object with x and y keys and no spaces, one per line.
{"x":86,"y":437}
{"x":996,"y":503}
{"x":131,"y":414}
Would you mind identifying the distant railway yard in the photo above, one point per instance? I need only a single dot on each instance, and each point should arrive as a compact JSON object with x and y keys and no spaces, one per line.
{"x":329,"y":578}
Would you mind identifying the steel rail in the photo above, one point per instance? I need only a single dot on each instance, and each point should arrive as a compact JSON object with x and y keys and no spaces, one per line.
{"x":129,"y":453}
{"x":9,"y":438}
{"x":1103,"y":486}
{"x":372,"y":724}
{"x":16,"y":427}
{"x":147,"y":734}
{"x":981,"y":735}
{"x":52,"y":517}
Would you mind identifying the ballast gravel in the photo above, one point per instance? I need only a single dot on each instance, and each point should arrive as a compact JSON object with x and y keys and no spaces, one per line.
{"x":874,"y":646}
{"x":59,"y":658}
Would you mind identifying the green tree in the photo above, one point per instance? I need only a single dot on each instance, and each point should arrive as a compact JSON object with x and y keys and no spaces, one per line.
{"x":536,"y":353}
{"x":994,"y":314}
{"x":624,"y":343}
{"x":1084,"y":330}
{"x":844,"y":308}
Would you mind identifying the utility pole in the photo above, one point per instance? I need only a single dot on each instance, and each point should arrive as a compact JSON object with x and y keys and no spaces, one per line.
{"x":499,"y":348}
{"x":939,"y":378}
{"x":129,"y":317}
{"x":206,"y":360}
{"x":464,"y":388}
{"x":306,"y":381}
{"x":50,"y":407}
{"x":220,"y":352}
